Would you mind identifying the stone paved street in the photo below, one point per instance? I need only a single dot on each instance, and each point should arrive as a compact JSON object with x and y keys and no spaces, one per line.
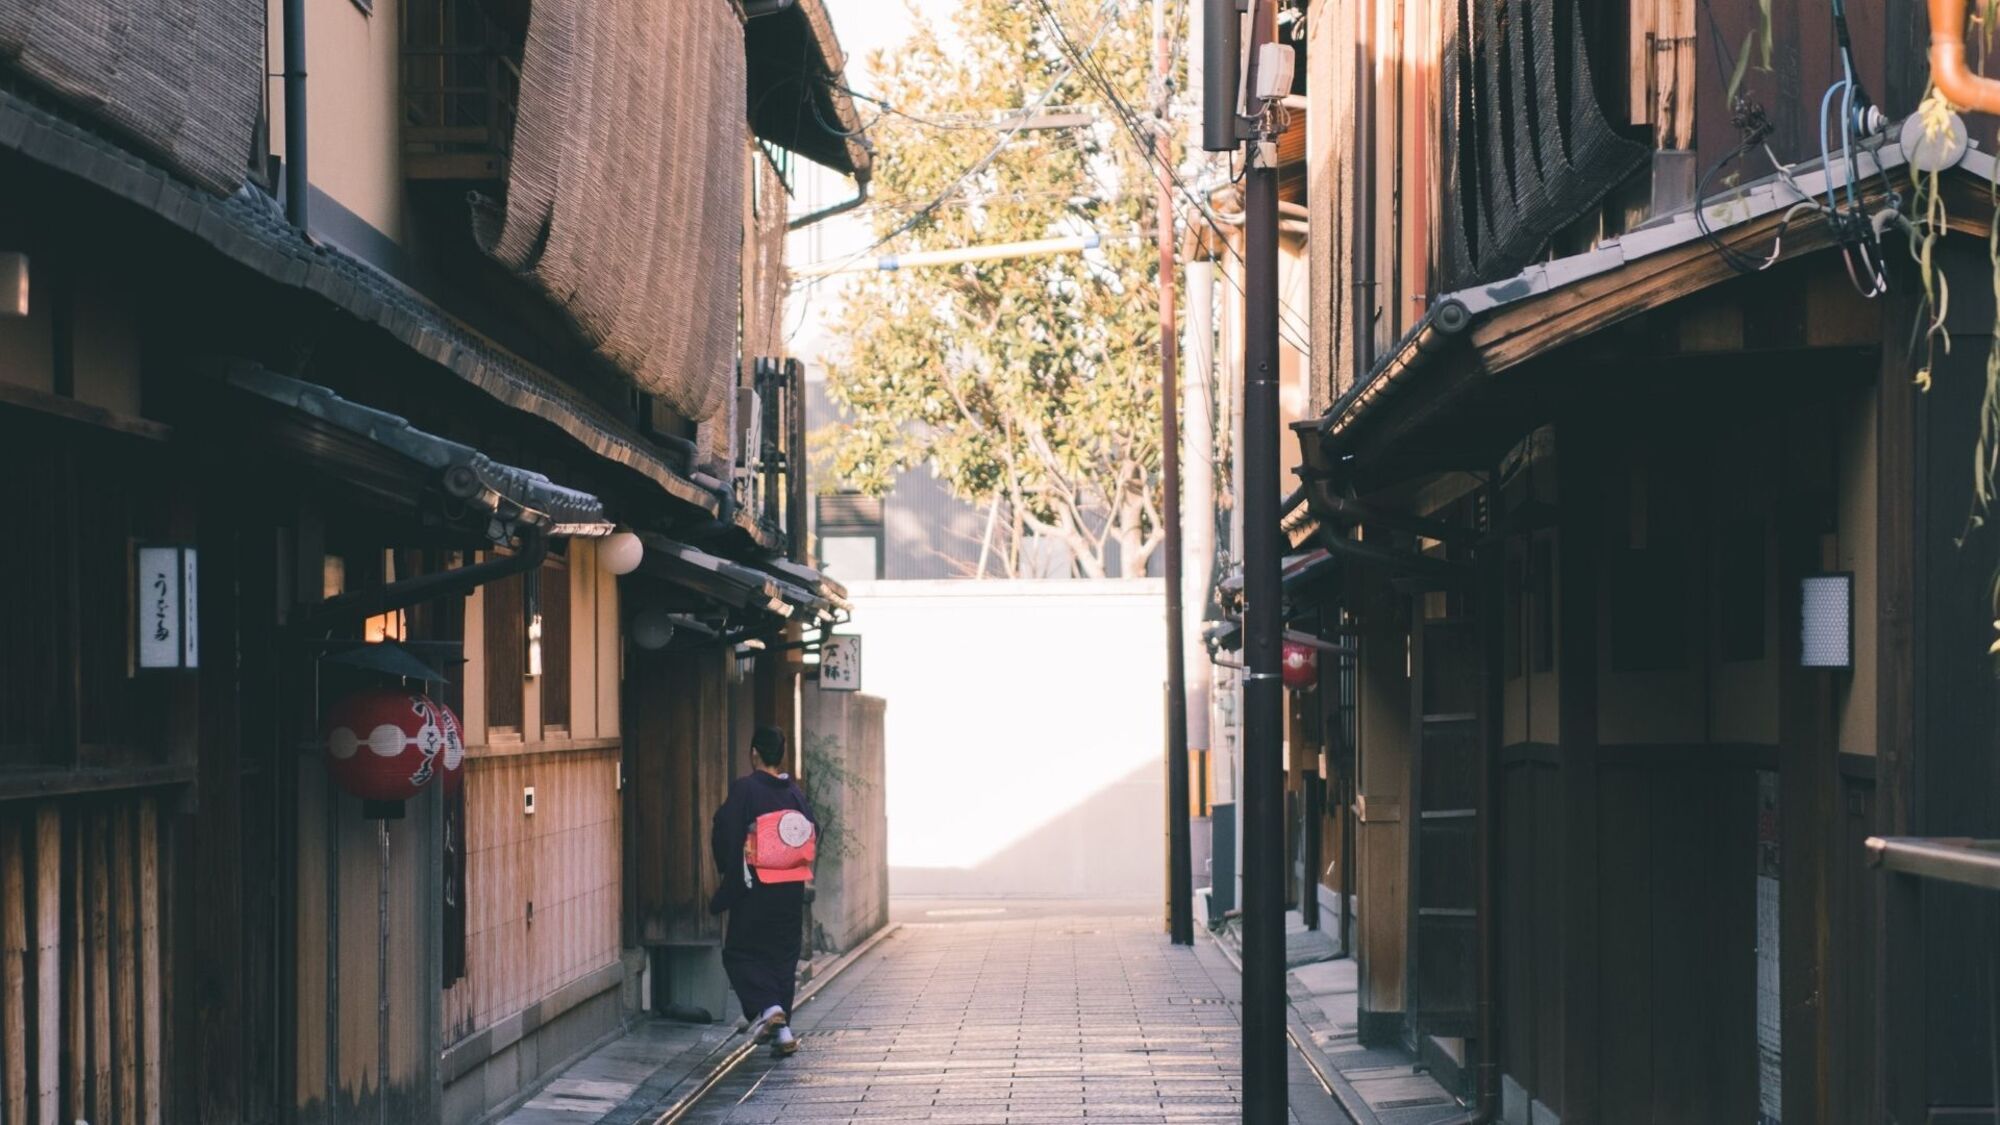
{"x":1054,"y":1018}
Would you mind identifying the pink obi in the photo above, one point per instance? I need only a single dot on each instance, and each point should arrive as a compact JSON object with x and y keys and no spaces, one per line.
{"x":781,"y":847}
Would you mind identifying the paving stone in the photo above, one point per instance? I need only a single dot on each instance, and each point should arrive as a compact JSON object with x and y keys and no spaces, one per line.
{"x":1056,"y":1019}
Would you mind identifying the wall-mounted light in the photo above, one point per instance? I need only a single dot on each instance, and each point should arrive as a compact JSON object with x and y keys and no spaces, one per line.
{"x":164,"y":609}
{"x":621,"y":552}
{"x":13,"y":283}
{"x":652,"y":629}
{"x":531,"y":611}
{"x":1826,"y":620}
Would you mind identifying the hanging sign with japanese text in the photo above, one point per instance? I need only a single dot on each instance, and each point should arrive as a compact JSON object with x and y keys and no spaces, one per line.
{"x":164,"y":607}
{"x":840,"y":664}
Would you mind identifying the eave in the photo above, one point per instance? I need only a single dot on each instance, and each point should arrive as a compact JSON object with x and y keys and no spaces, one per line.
{"x":247,"y":230}
{"x":797,"y":93}
{"x":1472,"y":336}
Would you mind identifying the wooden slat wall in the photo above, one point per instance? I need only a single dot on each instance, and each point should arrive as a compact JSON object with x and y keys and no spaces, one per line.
{"x":79,"y":962}
{"x":677,"y":775}
{"x":564,"y":860}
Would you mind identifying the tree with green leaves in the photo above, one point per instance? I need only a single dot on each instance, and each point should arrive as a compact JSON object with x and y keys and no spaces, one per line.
{"x":1029,"y":385}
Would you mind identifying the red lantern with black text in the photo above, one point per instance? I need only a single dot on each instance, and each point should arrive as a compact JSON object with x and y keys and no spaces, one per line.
{"x":386,"y":744}
{"x":451,"y":774}
{"x":1300,"y":665}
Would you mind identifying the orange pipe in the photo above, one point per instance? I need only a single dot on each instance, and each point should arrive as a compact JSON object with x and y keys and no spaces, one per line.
{"x":1949,"y":73}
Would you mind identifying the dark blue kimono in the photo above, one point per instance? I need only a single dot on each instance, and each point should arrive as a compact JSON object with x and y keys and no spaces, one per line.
{"x":766,"y":922}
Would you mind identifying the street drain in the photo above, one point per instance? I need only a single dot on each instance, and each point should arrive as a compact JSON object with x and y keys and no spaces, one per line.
{"x":1409,"y":1103}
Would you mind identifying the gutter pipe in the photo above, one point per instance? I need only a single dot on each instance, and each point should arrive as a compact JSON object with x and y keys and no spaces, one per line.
{"x":841,"y":208}
{"x":1954,"y":79}
{"x":363,"y":604}
{"x":297,"y":186}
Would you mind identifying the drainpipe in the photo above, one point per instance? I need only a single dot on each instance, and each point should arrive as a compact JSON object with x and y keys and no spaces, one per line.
{"x":1954,"y":79}
{"x":363,"y":604}
{"x":841,"y":208}
{"x":296,"y":185}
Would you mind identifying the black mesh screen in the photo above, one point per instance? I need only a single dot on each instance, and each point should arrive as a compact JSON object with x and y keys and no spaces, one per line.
{"x":1530,"y":147}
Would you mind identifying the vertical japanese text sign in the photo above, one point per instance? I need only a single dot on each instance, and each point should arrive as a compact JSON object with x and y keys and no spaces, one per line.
{"x":164,"y":607}
{"x":840,"y":664}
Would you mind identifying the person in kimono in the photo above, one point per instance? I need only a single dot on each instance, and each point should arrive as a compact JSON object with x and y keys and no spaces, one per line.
{"x":764,"y":894}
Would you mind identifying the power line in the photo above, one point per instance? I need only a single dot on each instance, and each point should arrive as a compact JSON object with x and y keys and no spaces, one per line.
{"x":982,"y":163}
{"x":1081,"y":58}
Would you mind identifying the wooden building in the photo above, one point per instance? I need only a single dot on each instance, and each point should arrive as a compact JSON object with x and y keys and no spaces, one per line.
{"x":391,"y":437}
{"x":1664,"y":576}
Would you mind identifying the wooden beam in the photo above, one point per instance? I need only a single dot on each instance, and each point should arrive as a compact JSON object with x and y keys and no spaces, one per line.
{"x":71,"y":410}
{"x":73,"y":782}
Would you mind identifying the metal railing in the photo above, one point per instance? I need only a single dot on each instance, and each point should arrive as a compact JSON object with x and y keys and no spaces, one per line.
{"x":1907,"y":864}
{"x":1949,"y":859}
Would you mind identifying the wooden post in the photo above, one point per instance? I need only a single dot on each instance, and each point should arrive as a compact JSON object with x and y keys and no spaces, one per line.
{"x":97,"y":830}
{"x":1806,"y":775}
{"x":149,"y":959}
{"x":1899,"y":974}
{"x":48,"y":964}
{"x":13,"y":968}
{"x":1578,"y":548}
{"x":75,"y":1055}
{"x":125,"y":965}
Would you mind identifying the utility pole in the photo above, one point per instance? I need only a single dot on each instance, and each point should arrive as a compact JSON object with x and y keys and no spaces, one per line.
{"x":1180,"y":861}
{"x":1225,"y":125}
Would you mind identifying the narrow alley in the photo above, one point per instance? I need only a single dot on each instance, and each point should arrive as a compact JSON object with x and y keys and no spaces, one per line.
{"x":984,"y":1015}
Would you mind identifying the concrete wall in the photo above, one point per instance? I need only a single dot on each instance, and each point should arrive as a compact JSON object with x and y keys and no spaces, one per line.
{"x":1024,"y":734}
{"x":844,"y":750}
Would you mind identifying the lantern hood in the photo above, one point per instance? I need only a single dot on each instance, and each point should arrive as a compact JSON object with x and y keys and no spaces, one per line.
{"x":387,"y":657}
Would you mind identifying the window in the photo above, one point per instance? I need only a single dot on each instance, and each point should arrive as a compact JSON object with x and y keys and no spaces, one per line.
{"x":506,"y":650}
{"x":850,"y":536}
{"x":555,"y":645}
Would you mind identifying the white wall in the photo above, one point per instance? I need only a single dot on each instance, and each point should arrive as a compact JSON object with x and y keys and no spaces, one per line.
{"x":1024,"y":734}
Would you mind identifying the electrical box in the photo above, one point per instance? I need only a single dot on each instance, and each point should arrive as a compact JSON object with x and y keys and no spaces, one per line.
{"x":1274,"y":71}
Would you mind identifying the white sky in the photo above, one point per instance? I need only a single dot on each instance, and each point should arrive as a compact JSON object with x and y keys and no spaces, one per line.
{"x":863,"y":27}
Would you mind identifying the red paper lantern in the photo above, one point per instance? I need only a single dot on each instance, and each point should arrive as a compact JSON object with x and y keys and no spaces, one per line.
{"x":452,"y":773}
{"x":1300,"y":665}
{"x":384,"y":744}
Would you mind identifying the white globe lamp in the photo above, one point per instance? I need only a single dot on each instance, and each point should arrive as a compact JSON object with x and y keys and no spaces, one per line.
{"x":620,"y":552}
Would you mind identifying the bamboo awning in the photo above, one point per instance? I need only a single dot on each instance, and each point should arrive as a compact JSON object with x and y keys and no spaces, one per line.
{"x":625,"y":188}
